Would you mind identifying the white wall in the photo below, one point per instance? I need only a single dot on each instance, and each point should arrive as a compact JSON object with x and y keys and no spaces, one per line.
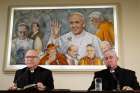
{"x":129,"y":36}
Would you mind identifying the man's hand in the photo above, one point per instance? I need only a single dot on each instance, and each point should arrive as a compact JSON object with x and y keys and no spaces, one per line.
{"x":55,"y":28}
{"x":13,"y":87}
{"x":40,"y":86}
{"x":127,"y":88}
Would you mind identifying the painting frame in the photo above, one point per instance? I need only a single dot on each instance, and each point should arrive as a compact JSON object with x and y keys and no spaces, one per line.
{"x":8,"y":67}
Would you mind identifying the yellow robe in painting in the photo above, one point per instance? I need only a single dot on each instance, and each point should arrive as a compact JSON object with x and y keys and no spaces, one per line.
{"x":90,"y":61}
{"x":106,"y":32}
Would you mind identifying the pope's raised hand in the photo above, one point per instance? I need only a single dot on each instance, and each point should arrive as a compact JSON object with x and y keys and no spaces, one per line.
{"x":55,"y":28}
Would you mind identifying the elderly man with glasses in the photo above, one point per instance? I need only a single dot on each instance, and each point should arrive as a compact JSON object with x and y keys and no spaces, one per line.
{"x":33,"y":75}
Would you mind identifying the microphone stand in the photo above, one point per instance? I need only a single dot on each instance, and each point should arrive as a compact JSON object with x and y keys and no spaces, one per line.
{"x":114,"y":76}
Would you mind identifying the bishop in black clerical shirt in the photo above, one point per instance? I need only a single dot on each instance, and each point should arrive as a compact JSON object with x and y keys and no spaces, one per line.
{"x":33,"y":74}
{"x":115,"y":77}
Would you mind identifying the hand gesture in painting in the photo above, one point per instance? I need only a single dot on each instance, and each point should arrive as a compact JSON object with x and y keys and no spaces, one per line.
{"x":55,"y":28}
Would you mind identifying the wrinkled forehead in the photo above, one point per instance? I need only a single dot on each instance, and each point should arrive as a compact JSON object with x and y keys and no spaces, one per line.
{"x":109,"y":53}
{"x":77,"y":16}
{"x":22,"y":28}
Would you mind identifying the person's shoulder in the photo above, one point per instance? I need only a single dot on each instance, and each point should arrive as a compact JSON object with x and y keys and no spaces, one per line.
{"x":21,"y":70}
{"x":60,"y":54}
{"x":90,"y":35}
{"x":44,"y":69}
{"x":66,"y":36}
{"x":84,"y":58}
{"x":14,"y":40}
{"x":106,"y":23}
{"x":101,"y":72}
{"x":127,"y":70}
{"x":30,"y":40}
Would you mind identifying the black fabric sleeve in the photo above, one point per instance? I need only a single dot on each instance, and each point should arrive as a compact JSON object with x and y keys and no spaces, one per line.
{"x":16,"y":76}
{"x":49,"y":82}
{"x":134,"y":83}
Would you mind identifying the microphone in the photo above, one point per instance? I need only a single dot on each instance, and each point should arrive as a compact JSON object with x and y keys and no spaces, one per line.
{"x":115,"y":77}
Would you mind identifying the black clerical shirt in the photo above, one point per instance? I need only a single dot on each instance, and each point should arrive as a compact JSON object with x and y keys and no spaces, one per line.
{"x":25,"y":77}
{"x":124,"y":77}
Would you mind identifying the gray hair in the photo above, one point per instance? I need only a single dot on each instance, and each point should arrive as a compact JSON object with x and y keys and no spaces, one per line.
{"x":96,"y":14}
{"x":23,"y":24}
{"x":77,"y":13}
{"x":112,"y":50}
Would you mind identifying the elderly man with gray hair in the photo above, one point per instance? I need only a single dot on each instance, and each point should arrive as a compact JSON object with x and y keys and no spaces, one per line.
{"x":32,"y":76}
{"x":105,"y":29}
{"x":115,"y":77}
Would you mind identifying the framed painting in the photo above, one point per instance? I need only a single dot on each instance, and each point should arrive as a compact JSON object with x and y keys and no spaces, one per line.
{"x":67,"y":38}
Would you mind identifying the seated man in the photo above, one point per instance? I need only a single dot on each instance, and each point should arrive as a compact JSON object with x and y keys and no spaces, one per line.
{"x":115,"y":77}
{"x":33,"y":74}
